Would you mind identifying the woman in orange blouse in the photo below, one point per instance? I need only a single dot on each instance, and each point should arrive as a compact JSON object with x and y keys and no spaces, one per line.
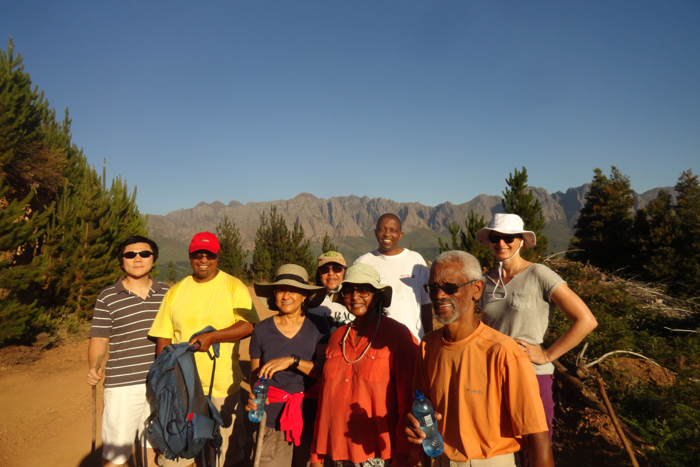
{"x":367,"y":382}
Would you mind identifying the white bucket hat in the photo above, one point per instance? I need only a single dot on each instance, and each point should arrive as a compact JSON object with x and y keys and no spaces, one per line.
{"x":508,"y":224}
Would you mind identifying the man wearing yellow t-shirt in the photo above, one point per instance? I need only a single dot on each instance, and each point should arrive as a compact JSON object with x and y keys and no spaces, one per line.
{"x":481,"y":383}
{"x":210,"y":297}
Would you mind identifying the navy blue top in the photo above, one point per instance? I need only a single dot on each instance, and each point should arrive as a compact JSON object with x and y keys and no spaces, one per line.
{"x":268,"y":343}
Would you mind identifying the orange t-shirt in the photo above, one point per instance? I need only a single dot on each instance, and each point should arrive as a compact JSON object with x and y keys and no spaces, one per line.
{"x":485,"y":388}
{"x":363,"y":406}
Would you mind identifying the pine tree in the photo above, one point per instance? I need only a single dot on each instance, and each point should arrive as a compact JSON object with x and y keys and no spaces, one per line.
{"x":604,"y":227}
{"x":465,"y":240}
{"x":231,"y":255}
{"x":328,"y":245}
{"x":652,"y":242}
{"x":275,"y":245}
{"x":172,"y":273}
{"x":19,"y":231}
{"x":28,"y":160}
{"x":687,"y":239}
{"x":518,"y":200}
{"x":47,"y":176}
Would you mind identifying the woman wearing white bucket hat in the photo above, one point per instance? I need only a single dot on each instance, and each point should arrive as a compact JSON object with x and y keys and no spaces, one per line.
{"x":367,"y":382}
{"x":519,"y":297}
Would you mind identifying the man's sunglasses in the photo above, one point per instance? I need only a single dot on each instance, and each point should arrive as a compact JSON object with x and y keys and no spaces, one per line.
{"x":362,"y":291}
{"x":326,"y":268}
{"x":201,"y":256}
{"x":132,"y":254}
{"x":508,"y":239}
{"x":449,"y":289}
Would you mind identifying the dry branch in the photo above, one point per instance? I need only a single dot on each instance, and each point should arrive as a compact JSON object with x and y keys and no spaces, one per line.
{"x":616,"y":423}
{"x":595,"y":362}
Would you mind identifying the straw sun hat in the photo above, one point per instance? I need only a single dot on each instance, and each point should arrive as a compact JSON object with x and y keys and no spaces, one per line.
{"x":293,"y":276}
{"x":364,"y":274}
{"x":508,"y":224}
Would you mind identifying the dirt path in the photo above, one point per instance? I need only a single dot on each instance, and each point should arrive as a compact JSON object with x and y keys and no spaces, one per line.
{"x":46,"y":405}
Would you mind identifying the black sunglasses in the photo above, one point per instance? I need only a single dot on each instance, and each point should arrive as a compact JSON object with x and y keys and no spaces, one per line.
{"x":326,"y":268}
{"x":200,"y":256}
{"x":508,"y":239}
{"x":448,"y":288}
{"x":362,"y":291}
{"x":142,"y":254}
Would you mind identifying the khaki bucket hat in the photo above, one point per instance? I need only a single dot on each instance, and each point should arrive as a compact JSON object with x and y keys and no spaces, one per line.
{"x":294,"y":276}
{"x":364,"y":274}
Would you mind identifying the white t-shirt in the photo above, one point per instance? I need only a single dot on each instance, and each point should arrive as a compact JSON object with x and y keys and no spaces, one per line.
{"x":335,"y":313}
{"x":405,"y":273}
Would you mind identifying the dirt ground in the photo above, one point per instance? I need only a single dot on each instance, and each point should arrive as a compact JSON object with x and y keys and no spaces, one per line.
{"x":46,"y":409}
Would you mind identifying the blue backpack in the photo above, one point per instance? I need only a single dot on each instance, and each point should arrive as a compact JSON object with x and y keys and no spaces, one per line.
{"x":183,"y":418}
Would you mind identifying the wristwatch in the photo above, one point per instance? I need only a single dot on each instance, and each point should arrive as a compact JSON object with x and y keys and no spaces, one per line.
{"x":296,"y":361}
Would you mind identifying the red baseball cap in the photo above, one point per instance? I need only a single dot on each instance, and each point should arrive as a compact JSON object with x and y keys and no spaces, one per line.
{"x":205,"y":241}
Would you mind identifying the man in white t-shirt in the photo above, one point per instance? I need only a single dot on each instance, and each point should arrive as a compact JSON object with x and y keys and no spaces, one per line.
{"x":406,"y":272}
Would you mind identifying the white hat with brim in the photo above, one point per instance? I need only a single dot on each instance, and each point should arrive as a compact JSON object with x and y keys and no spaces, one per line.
{"x":507,"y":224}
{"x":364,"y":274}
{"x":294,"y":276}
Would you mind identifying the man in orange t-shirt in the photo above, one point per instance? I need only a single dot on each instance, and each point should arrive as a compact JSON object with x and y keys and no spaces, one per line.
{"x":481,"y":383}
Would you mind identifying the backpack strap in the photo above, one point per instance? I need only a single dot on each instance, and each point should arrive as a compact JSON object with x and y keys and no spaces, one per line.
{"x":215,"y":348}
{"x":189,"y":373}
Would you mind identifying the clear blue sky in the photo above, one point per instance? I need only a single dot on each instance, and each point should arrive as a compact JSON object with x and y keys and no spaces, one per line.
{"x":427,"y":101}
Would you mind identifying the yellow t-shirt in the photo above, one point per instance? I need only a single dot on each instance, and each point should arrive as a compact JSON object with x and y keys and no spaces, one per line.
{"x":189,"y":307}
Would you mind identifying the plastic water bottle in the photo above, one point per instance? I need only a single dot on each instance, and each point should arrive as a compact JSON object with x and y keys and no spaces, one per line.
{"x":433,"y":445}
{"x":259,"y":397}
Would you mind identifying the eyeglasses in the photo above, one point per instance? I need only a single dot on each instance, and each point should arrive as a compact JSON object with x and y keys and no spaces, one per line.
{"x":200,"y":256}
{"x":142,"y":254}
{"x":508,"y":239}
{"x":362,"y":291}
{"x":326,"y":268}
{"x":448,"y":288}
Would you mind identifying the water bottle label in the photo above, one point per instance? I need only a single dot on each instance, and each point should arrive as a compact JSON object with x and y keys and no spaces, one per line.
{"x":428,"y":420}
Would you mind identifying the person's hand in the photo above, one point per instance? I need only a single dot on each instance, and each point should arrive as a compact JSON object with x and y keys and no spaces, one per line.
{"x":316,"y":464}
{"x":534,"y":352}
{"x":273,"y":366}
{"x":413,"y":432}
{"x":251,"y":405}
{"x":93,"y":377}
{"x":205,"y":341}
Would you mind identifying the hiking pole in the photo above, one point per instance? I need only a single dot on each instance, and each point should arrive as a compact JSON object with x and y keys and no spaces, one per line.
{"x":94,"y":406}
{"x":616,"y":423}
{"x":259,"y":443}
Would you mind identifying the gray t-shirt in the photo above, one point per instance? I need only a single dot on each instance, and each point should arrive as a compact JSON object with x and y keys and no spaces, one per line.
{"x":524,"y":312}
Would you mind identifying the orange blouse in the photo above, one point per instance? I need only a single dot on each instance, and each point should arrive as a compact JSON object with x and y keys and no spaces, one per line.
{"x":363,"y":406}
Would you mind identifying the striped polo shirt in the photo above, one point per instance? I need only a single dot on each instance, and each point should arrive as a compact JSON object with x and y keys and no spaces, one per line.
{"x":125,"y":318}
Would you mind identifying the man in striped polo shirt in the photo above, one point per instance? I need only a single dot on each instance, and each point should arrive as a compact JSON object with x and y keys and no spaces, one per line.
{"x":123,"y":316}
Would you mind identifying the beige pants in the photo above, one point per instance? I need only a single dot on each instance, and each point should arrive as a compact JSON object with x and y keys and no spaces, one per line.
{"x":232,"y":431}
{"x":505,"y":460}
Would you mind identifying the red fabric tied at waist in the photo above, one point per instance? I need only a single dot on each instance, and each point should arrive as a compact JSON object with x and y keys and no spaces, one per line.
{"x":291,"y":421}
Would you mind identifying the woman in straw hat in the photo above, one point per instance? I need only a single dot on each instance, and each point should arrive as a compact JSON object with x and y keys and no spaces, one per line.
{"x":367,"y":382}
{"x":519,"y":297}
{"x":288,"y":349}
{"x":329,"y":274}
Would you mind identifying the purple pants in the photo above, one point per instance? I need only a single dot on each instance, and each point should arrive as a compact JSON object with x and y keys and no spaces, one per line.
{"x":545,"y":383}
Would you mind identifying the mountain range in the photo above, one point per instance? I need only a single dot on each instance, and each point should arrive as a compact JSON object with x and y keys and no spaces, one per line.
{"x":350,"y":220}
